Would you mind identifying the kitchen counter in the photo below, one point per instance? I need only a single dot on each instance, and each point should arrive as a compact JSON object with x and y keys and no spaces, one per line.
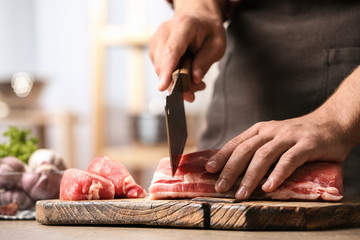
{"x":29,"y":229}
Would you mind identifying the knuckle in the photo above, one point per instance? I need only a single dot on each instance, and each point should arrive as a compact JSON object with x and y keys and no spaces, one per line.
{"x":220,"y":158}
{"x":289,"y":158}
{"x":271,"y":122}
{"x":162,"y":29}
{"x":157,"y":69}
{"x":279,"y":169}
{"x":165,"y":26}
{"x":183,"y":19}
{"x":233,"y":143}
{"x":290,"y":161}
{"x":172,"y":52}
{"x":220,"y":44}
{"x":281,"y":172}
{"x":263,"y":153}
{"x":264,"y":126}
{"x":269,"y":127}
{"x":258,"y":124}
{"x":154,"y":40}
{"x":230,"y":171}
{"x":243,"y":148}
{"x":249,"y":179}
{"x":311,"y":139}
{"x":288,"y":129}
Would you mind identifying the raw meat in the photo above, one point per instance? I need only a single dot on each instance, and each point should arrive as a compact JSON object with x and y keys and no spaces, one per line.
{"x":9,"y":209}
{"x":125,"y":185}
{"x":80,"y":185}
{"x":312,"y":181}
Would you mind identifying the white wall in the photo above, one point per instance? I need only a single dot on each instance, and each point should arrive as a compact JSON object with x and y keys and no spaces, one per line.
{"x":50,"y":39}
{"x":17,"y":43}
{"x":62,"y":53}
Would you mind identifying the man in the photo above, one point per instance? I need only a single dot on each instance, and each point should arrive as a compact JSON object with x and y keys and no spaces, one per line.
{"x":274,"y":102}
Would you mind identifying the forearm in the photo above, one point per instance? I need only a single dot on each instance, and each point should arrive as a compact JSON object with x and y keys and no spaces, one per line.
{"x":343,"y":108}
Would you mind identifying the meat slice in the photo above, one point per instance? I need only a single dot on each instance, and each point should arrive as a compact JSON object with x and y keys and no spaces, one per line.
{"x":125,"y":185}
{"x":312,"y":181}
{"x":191,"y":179}
{"x":80,"y":185}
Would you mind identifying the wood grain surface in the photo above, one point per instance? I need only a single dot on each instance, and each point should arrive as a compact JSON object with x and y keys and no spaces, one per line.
{"x":203,"y":213}
{"x":121,"y":212}
{"x":280,"y":215}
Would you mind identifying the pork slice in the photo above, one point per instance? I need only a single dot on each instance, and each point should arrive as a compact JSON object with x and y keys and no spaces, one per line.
{"x":80,"y":185}
{"x":312,"y":181}
{"x":125,"y":185}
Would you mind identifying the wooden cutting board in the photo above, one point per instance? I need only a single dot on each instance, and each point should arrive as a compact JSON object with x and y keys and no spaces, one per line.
{"x":202,"y":213}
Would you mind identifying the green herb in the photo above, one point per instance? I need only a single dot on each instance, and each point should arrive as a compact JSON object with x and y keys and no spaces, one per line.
{"x":20,"y":144}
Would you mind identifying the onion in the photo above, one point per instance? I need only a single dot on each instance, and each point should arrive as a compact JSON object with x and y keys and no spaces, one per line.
{"x":41,"y":156}
{"x":44,"y":183}
{"x":16,"y":195}
{"x":11,"y":169}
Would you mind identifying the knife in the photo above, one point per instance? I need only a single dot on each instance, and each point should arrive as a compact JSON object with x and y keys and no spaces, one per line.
{"x":175,"y":113}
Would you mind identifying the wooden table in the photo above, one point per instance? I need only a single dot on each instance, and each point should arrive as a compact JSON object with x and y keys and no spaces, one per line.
{"x":30,"y":229}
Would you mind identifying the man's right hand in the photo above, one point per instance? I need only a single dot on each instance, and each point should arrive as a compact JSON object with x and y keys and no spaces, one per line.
{"x":196,"y":25}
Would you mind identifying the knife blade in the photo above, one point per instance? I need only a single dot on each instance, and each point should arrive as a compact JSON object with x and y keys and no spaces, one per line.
{"x":175,"y":112}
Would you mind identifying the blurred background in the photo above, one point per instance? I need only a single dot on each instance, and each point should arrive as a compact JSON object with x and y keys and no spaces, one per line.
{"x":78,"y":74}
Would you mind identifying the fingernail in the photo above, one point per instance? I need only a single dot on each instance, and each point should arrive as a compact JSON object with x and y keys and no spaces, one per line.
{"x":161,"y":82}
{"x":211,"y":164}
{"x":268,"y":183}
{"x":221,"y":184}
{"x":199,"y":74}
{"x":241,"y":193}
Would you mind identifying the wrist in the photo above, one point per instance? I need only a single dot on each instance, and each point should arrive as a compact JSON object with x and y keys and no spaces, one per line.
{"x":210,"y":8}
{"x":342,"y":109}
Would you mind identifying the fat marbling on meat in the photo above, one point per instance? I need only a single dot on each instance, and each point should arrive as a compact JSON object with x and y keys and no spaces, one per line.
{"x":105,"y":178}
{"x":125,"y":185}
{"x":80,"y":185}
{"x":312,"y":181}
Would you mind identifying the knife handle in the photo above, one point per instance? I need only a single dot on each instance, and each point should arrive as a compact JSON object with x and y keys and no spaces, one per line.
{"x":183,"y":71}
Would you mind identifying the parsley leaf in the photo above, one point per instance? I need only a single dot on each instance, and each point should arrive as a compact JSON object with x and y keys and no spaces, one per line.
{"x":20,"y":144}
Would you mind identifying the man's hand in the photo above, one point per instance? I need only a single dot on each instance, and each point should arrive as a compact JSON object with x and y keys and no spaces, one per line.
{"x":327,"y":134}
{"x":196,"y":25}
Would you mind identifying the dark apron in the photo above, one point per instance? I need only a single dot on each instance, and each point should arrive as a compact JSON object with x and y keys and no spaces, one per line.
{"x":283,"y":59}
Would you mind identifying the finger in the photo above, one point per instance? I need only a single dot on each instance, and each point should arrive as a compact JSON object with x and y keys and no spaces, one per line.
{"x":238,"y":162}
{"x":218,"y":160}
{"x":170,"y":87}
{"x":189,"y":96}
{"x":175,"y":48}
{"x":157,"y":43}
{"x":211,"y":51}
{"x":167,"y":65}
{"x":288,"y":162}
{"x":263,"y":158}
{"x":194,"y":87}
